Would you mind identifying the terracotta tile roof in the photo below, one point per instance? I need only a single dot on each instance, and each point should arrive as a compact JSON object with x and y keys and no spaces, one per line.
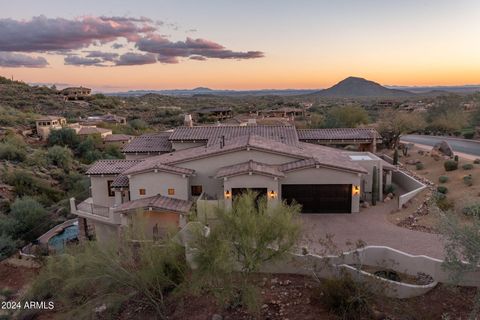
{"x":158,"y":202}
{"x":111,"y":166}
{"x":249,"y":167}
{"x":117,"y":137}
{"x":160,"y":167}
{"x":337,"y":134}
{"x":120,"y":181}
{"x":326,"y":156}
{"x":92,"y":130}
{"x":286,"y":134}
{"x":146,"y":143}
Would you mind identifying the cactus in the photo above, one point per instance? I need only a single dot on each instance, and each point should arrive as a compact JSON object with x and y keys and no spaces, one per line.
{"x":395,"y":157}
{"x":375,"y":188}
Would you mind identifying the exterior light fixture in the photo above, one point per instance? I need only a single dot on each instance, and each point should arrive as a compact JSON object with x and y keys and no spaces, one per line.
{"x":272,"y":194}
{"x":355,"y":190}
{"x":228,"y":194}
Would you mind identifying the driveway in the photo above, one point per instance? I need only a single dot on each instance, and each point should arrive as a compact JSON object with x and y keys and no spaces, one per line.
{"x":371,"y":227}
{"x":470,"y":147}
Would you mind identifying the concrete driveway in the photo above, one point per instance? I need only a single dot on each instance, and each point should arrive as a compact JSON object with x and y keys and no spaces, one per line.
{"x":371,"y":227}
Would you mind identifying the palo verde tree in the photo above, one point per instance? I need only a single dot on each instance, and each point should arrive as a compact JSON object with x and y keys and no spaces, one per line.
{"x":392,"y":124}
{"x":245,"y":237}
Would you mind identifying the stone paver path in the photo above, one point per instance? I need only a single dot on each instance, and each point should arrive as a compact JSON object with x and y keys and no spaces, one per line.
{"x":370,"y":226}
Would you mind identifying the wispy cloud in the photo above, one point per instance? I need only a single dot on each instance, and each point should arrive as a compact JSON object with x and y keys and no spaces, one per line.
{"x":17,"y":60}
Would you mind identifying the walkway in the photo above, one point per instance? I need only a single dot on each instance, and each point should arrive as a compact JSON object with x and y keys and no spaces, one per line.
{"x":370,"y":226}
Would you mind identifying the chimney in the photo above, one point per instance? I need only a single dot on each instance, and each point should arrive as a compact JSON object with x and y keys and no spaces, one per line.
{"x":188,"y":122}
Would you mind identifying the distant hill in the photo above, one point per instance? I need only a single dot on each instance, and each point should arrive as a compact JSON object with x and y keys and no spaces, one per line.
{"x":353,"y":87}
{"x":202,"y":91}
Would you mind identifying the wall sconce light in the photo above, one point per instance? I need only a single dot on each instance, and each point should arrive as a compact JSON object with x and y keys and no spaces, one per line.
{"x":355,"y":190}
{"x":228,"y":195}
{"x":272,"y":194}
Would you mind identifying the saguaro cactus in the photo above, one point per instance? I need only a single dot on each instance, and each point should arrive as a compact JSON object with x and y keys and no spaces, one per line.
{"x":395,"y":156}
{"x":375,"y":187}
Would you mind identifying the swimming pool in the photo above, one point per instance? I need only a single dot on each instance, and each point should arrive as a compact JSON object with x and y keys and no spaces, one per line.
{"x":58,"y":241}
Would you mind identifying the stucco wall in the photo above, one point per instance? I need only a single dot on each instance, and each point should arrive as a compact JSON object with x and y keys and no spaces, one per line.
{"x":99,"y":190}
{"x":253,"y":181}
{"x":104,"y":233}
{"x":408,"y":184}
{"x":206,"y":168}
{"x":159,"y":183}
{"x":324,"y":176}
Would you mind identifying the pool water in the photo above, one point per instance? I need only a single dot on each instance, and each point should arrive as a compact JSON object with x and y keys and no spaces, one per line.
{"x":59,"y":241}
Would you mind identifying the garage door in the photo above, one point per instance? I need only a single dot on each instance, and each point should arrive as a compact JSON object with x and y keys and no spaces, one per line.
{"x":320,"y":198}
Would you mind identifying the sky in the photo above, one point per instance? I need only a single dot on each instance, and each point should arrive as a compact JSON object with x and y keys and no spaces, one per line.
{"x":250,"y":44}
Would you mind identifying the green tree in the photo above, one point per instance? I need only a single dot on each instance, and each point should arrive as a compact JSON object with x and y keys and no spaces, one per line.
{"x":65,"y":137}
{"x":393,"y":124}
{"x":346,"y":117}
{"x":7,"y":246}
{"x":247,"y":235}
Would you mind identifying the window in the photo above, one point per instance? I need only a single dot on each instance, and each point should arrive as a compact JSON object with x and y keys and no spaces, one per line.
{"x":111,"y":193}
{"x":171,"y":192}
{"x":142,"y":192}
{"x":196,"y":190}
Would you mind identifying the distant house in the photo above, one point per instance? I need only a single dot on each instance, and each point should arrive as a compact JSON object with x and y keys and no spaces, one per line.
{"x":283,"y":112}
{"x":119,"y":140}
{"x":106,"y":118}
{"x":75,"y":93}
{"x":218,"y":113}
{"x":88,"y":131}
{"x":46,"y":123}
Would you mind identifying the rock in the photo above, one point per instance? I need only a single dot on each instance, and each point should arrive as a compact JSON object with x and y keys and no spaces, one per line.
{"x":421,"y":152}
{"x":390,"y":195}
{"x":101,"y":308}
{"x":365,"y":204}
{"x":216,"y":316}
{"x":444,"y":148}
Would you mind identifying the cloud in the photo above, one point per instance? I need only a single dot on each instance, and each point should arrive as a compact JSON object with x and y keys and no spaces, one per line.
{"x":105,"y":56}
{"x":47,"y":34}
{"x":169,"y":51}
{"x":130,"y":59}
{"x":17,"y":60}
{"x":75,"y":60}
{"x":73,"y":38}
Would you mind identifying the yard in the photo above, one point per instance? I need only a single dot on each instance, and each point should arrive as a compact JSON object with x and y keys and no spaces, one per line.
{"x":458,"y":193}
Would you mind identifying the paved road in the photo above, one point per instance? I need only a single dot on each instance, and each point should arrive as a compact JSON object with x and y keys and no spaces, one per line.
{"x":459,"y":145}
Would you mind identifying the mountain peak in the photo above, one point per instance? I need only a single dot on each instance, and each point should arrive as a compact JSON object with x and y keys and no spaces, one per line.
{"x":356,"y":87}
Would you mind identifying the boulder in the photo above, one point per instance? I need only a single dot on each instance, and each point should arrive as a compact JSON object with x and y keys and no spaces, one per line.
{"x":444,"y":148}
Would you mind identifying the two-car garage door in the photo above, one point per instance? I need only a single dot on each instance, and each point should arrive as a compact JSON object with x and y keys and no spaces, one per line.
{"x":320,"y":198}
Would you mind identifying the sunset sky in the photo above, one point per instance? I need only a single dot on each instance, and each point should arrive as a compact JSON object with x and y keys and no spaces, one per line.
{"x":119,"y":45}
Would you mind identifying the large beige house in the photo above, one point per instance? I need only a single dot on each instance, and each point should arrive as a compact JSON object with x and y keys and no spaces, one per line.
{"x":163,"y":175}
{"x":46,"y":124}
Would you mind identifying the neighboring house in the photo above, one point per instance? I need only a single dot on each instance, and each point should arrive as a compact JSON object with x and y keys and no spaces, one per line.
{"x":92,"y":130}
{"x":106,"y":118}
{"x":283,"y":112}
{"x":75,"y":93}
{"x":218,"y":114}
{"x":119,"y":140}
{"x":148,"y":145}
{"x":47,"y":123}
{"x":215,"y":165}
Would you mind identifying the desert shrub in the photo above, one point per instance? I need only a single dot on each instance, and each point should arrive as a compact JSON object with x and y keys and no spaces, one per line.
{"x":455,"y":158}
{"x":111,"y":274}
{"x":61,"y":157}
{"x":390,"y":188}
{"x":7,"y":246}
{"x":37,"y":158}
{"x":442,"y":189}
{"x":450,"y":165}
{"x":443,"y":179}
{"x":26,"y":184}
{"x":472,"y":209}
{"x":346,"y":298}
{"x":476,"y":161}
{"x":27,"y":219}
{"x":419,"y":166}
{"x":467,"y":166}
{"x":468,"y":180}
{"x":442,"y":202}
{"x":113,"y":152}
{"x":138,"y":124}
{"x":65,"y":137}
{"x":9,"y":151}
{"x":247,"y":235}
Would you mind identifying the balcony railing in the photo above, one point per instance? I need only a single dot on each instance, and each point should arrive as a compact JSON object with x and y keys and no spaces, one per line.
{"x":87,"y":209}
